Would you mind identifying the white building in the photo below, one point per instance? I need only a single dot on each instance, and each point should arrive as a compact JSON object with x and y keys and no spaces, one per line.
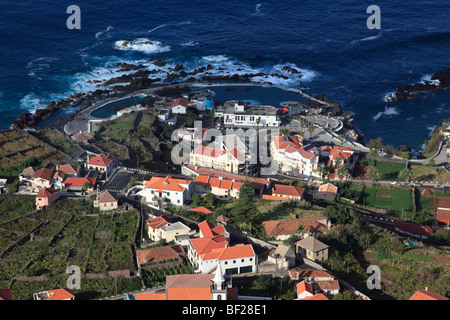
{"x":166,"y":191}
{"x":238,"y":114}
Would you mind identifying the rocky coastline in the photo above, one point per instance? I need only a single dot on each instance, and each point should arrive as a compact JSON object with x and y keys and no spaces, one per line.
{"x":438,"y":81}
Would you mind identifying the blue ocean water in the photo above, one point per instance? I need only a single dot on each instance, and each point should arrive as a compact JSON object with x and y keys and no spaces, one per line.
{"x":42,"y":60}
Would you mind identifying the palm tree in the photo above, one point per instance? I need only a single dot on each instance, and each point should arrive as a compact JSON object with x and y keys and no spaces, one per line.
{"x":406,"y":174}
{"x":343,"y":171}
{"x":439,"y":171}
{"x":337,"y":161}
{"x":373,"y":152}
{"x":405,"y":156}
{"x":374,"y":173}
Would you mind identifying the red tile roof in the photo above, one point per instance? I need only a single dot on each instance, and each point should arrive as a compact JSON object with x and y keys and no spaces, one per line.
{"x":289,"y":226}
{"x":288,"y":190}
{"x":45,"y":192}
{"x":413,"y":228}
{"x":180,"y":101}
{"x":102,"y":160}
{"x":158,"y":222}
{"x":282,"y":142}
{"x":69,"y":169}
{"x":309,"y":273}
{"x":427,"y":295}
{"x":77,"y":182}
{"x":59,"y":294}
{"x":5,"y":294}
{"x":158,"y":254}
{"x":44,"y":173}
{"x":106,"y":197}
{"x":160,"y":295}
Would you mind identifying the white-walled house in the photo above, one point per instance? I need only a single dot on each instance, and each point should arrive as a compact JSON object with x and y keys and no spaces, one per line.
{"x":166,"y":190}
{"x":179,"y":106}
{"x":237,"y":114}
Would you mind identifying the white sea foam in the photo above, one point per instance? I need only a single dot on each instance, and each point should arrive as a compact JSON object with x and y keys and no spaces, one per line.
{"x":142,"y":45}
{"x":215,"y":58}
{"x":189,"y":43}
{"x":105,"y":32}
{"x":388,"y":111}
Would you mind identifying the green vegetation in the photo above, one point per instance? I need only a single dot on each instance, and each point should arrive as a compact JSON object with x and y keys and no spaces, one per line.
{"x":59,"y":140}
{"x":66,"y":236}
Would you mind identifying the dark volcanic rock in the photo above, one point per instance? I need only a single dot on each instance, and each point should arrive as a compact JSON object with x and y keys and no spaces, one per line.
{"x":410,"y":91}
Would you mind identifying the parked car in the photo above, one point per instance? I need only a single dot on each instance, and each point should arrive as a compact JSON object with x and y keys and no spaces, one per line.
{"x":395,"y":183}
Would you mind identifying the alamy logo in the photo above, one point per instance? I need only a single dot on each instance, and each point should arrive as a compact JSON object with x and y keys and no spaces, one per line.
{"x":374,"y":280}
{"x":74,"y":21}
{"x":74,"y":281}
{"x":374,"y":21}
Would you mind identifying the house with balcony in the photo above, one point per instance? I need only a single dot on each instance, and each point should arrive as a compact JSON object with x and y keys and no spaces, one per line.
{"x":162,"y":228}
{"x":166,"y":191}
{"x":222,"y":188}
{"x":236,"y":113}
{"x":42,"y":178}
{"x":226,"y":160}
{"x":102,"y":163}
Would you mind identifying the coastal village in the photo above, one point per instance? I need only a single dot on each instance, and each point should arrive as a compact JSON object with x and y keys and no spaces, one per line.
{"x":103,"y":195}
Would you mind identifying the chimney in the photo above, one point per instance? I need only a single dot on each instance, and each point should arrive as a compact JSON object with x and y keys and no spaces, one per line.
{"x":328,"y":224}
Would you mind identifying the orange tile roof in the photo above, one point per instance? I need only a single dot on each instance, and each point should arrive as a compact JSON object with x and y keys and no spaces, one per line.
{"x":205,"y":245}
{"x":206,"y":172}
{"x":208,"y":230}
{"x":60,"y":294}
{"x":160,"y":295}
{"x":427,"y":295}
{"x":304,"y":287}
{"x":274,"y":198}
{"x":319,"y":296}
{"x":288,"y":190}
{"x":229,"y":253}
{"x":328,"y":188}
{"x":158,"y":222}
{"x":167,"y":183}
{"x":201,"y":210}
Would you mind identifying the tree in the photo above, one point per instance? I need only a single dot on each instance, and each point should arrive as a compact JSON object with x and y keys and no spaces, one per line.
{"x":338,"y":161}
{"x":405,"y":156}
{"x":244,"y":209}
{"x":343,"y":171}
{"x":373,"y":152}
{"x":405,"y":174}
{"x":439,"y":171}
{"x":310,"y":130}
{"x":210,"y":200}
{"x":431,"y":162}
{"x":86,"y":186}
{"x":347,"y":295}
{"x":374,"y":173}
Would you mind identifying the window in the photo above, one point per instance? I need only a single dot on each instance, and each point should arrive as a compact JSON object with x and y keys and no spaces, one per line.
{"x":168,"y":193}
{"x":234,"y":261}
{"x":178,"y":201}
{"x":242,"y":260}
